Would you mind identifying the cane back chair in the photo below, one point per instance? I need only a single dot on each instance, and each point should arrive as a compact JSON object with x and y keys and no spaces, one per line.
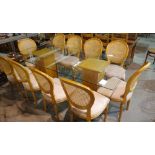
{"x":12,"y":75}
{"x":123,"y":92}
{"x":73,"y":48}
{"x":117,"y":52}
{"x":51,"y":89}
{"x":93,"y":48}
{"x":83,"y":102}
{"x":26,"y":47}
{"x":27,"y":79}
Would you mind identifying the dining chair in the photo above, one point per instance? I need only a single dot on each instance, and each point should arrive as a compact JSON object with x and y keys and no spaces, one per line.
{"x":93,"y":48}
{"x":104,"y":37}
{"x":51,"y":89}
{"x":6,"y":67}
{"x":73,"y":47}
{"x":122,"y":93}
{"x":118,"y":36}
{"x":26,"y":47}
{"x":83,"y":102}
{"x":117,"y":52}
{"x":59,"y":43}
{"x":151,"y":53}
{"x":27,"y":79}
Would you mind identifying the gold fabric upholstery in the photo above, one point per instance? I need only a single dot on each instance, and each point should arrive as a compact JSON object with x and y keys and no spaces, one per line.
{"x":93,"y":48}
{"x":117,"y":51}
{"x":115,"y":71}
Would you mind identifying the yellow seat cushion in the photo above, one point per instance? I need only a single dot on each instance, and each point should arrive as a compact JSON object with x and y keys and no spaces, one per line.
{"x":59,"y":93}
{"x":97,"y":108}
{"x":115,"y":71}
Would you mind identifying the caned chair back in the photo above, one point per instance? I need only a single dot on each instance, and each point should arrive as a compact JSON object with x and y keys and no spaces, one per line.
{"x":132,"y":81}
{"x":5,"y":66}
{"x":74,"y":45}
{"x":78,"y":95}
{"x":26,"y":46}
{"x":93,"y":48}
{"x":21,"y":71}
{"x":45,"y":83}
{"x":59,"y":41}
{"x":117,"y":52}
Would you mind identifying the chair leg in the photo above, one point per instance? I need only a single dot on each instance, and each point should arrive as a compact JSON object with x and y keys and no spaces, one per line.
{"x":106,"y":113}
{"x":71,"y":116}
{"x":11,"y":87}
{"x":154,"y":60}
{"x":146,"y":56}
{"x":128,"y":103}
{"x":56,"y":112}
{"x":73,"y":74}
{"x":44,"y":104}
{"x":120,"y":112}
{"x":34,"y":98}
{"x":26,"y":95}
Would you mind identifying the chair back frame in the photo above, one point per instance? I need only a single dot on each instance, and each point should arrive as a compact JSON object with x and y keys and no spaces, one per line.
{"x":96,"y":54}
{"x":84,"y":88}
{"x":26,"y":46}
{"x":132,"y":81}
{"x":59,"y":38}
{"x":77,"y":40}
{"x":111,"y":52}
{"x":26,"y":78}
{"x":47,"y":78}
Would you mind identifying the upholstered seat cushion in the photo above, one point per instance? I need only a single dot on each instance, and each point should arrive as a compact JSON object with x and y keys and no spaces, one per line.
{"x":33,"y":81}
{"x":58,"y":56}
{"x":115,"y":71}
{"x":69,"y":61}
{"x":97,"y":108}
{"x":59,"y":93}
{"x":117,"y":93}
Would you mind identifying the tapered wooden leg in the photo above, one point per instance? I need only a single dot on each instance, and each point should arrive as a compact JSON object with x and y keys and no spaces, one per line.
{"x":71,"y":116}
{"x":154,"y":61}
{"x":146,"y":56}
{"x":26,"y":95}
{"x":120,"y":112}
{"x":44,"y":104}
{"x":56,"y":112}
{"x":73,"y":74}
{"x":106,"y":113}
{"x":35,"y":99}
{"x":128,"y":103}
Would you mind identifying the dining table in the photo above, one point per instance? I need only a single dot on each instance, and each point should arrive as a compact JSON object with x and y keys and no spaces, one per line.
{"x":91,"y":71}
